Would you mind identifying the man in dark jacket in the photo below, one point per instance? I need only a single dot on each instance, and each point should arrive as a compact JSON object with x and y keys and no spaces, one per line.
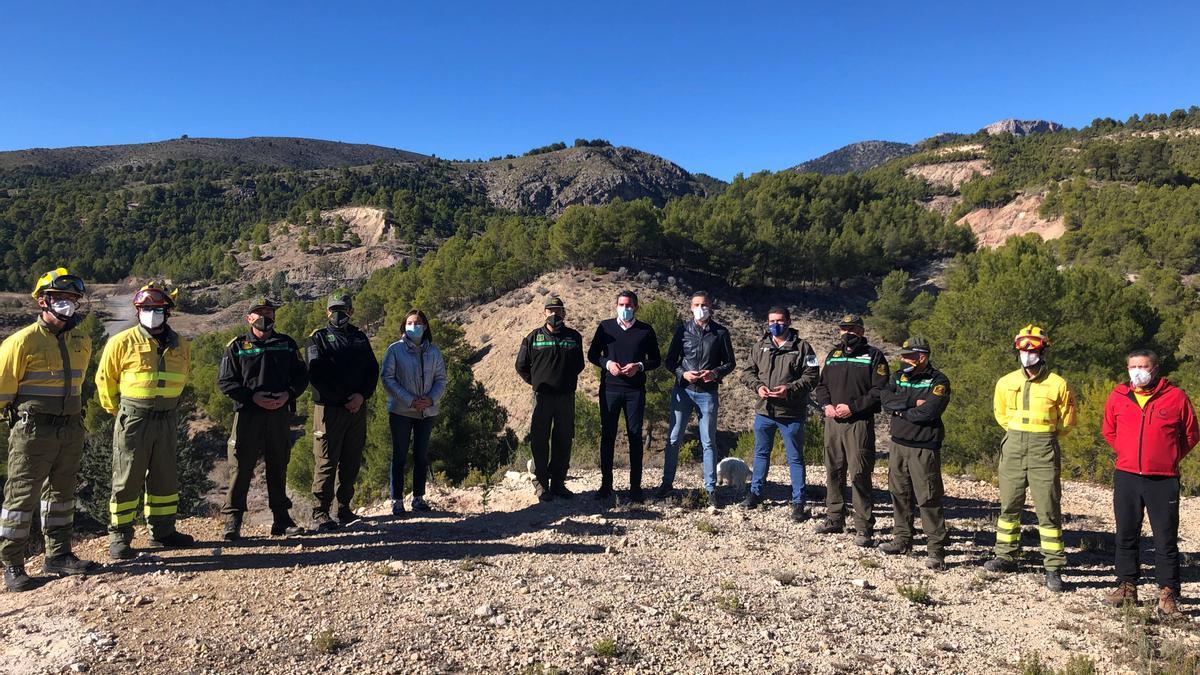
{"x":700,"y":355}
{"x":344,"y":371}
{"x":624,"y":349}
{"x":550,"y":360}
{"x":915,"y":399}
{"x":848,"y":394}
{"x":1151,"y":425}
{"x":782,"y":373}
{"x":263,"y":372}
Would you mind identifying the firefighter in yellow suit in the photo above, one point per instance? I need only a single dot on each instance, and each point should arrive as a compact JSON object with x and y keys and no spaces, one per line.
{"x":41,"y":386}
{"x":1034,"y":407}
{"x":139,"y":380}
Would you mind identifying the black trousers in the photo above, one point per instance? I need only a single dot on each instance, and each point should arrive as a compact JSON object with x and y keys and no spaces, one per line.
{"x":1158,"y":496}
{"x":259,"y":433}
{"x":551,"y":432}
{"x":614,"y":402}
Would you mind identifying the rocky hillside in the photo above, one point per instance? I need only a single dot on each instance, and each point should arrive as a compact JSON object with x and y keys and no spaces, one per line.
{"x":493,"y":581}
{"x":855,"y":157}
{"x":1022,"y":127}
{"x":291,"y":153}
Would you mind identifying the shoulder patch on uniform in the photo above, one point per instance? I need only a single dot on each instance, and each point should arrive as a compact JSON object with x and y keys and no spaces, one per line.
{"x":882,"y":369}
{"x":837,"y":353}
{"x":811,"y":361}
{"x":939,"y":389}
{"x":247,"y":345}
{"x":330,"y":337}
{"x":904,"y":378}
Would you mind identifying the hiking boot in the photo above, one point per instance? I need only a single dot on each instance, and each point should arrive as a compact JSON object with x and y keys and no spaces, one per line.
{"x":864,"y":540}
{"x":233,"y":528}
{"x":830,"y":527}
{"x":174,"y":539}
{"x":285,"y":526}
{"x":713,"y":500}
{"x":542,"y":492}
{"x":398,"y":507}
{"x":121,"y":550}
{"x":346,"y":515}
{"x":751,"y":501}
{"x":16,"y":580}
{"x":418,"y":504}
{"x":800,"y":513}
{"x":323,"y":522}
{"x":636,"y":496}
{"x":1123,"y":593}
{"x":560,"y":490}
{"x":603,"y":493}
{"x":1168,"y":603}
{"x":935,"y":562}
{"x":1000,"y":565}
{"x":68,"y":564}
{"x":1054,"y":581}
{"x":663,"y":493}
{"x":896,"y":547}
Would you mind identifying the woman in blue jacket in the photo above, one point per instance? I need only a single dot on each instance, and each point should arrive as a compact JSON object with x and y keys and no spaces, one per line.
{"x":414,"y":376}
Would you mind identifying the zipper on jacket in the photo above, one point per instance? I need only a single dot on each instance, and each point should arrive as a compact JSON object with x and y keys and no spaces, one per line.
{"x":66,"y":359}
{"x":1142,"y":434}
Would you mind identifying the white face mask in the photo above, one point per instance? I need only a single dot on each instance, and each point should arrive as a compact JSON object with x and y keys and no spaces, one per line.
{"x":151,"y":319}
{"x":1030,"y":359}
{"x":1139,"y":377}
{"x":701,"y":313}
{"x":64,"y":308}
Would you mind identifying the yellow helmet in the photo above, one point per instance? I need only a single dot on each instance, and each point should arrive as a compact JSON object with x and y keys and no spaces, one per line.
{"x":60,"y":281}
{"x":154,"y":295}
{"x":1031,"y":338}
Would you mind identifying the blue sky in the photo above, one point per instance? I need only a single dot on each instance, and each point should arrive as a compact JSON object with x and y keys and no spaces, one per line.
{"x":718,"y":87}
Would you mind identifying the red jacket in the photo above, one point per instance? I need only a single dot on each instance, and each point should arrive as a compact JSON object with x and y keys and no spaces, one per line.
{"x":1150,"y":441}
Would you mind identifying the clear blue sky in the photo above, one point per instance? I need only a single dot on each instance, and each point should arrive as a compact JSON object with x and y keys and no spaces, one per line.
{"x":718,"y":87}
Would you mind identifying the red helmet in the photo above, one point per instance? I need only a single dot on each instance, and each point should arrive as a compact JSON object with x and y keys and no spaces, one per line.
{"x":151,"y":295}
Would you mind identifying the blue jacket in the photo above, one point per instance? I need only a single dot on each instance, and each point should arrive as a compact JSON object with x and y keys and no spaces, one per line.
{"x":410,"y":372}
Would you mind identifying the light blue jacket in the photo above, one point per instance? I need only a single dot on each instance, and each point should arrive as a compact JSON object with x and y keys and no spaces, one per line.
{"x":410,"y":372}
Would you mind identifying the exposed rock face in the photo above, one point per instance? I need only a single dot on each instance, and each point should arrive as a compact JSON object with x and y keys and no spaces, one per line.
{"x":951,"y":174}
{"x":1022,"y":127}
{"x":855,"y":157}
{"x":550,"y":182}
{"x":1018,"y":217}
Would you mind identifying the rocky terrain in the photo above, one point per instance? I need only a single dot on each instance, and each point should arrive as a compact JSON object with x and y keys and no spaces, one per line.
{"x":992,"y":227}
{"x":1022,"y":127}
{"x":855,"y":157}
{"x":950,"y":174}
{"x":492,"y":581}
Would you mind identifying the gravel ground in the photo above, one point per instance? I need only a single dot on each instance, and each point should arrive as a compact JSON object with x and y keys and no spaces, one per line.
{"x":494,"y":581}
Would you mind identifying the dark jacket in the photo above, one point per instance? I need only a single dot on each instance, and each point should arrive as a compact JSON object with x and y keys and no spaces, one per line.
{"x":794,"y":363}
{"x":853,"y":378}
{"x":1150,"y":441}
{"x":636,"y":344}
{"x":917,"y":426}
{"x":551,"y":362}
{"x":251,"y":365}
{"x":695,"y":348}
{"x":340,"y":364}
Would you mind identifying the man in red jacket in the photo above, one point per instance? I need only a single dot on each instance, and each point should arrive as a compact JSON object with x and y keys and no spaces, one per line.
{"x":1151,"y":425}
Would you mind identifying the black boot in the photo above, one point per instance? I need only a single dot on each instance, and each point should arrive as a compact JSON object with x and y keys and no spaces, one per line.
{"x":324,"y":522}
{"x":284,"y":525}
{"x":68,"y":564}
{"x":16,"y":580}
{"x":174,"y":539}
{"x":233,"y":528}
{"x":121,"y":550}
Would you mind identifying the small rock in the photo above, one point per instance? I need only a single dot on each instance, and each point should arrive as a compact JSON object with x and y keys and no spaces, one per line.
{"x":498,"y":620}
{"x":79,"y":667}
{"x":485,"y":610}
{"x":860,"y":583}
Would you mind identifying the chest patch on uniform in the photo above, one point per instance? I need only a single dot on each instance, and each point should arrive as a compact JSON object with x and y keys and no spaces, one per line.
{"x":329,"y":337}
{"x":939,"y":389}
{"x":837,"y":353}
{"x":247,"y":346}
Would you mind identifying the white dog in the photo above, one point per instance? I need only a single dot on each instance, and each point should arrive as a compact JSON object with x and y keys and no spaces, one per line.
{"x":733,"y":471}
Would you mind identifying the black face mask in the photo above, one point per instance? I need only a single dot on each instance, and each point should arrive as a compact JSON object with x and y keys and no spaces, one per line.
{"x":852,"y":341}
{"x":554,"y":320}
{"x":264,"y":324}
{"x":339,"y":319}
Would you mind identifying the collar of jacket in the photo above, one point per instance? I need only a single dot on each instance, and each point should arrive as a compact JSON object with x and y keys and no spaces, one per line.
{"x":53,"y":330}
{"x":1125,"y":389}
{"x":408,"y":344}
{"x":172,"y":338}
{"x":926,"y":374}
{"x":789,"y":343}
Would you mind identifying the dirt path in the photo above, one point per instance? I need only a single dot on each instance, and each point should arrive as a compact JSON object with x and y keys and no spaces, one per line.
{"x":496,"y":582}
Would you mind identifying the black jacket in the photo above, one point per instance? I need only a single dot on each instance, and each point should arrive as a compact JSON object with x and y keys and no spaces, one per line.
{"x":551,"y":362}
{"x":252,"y":365}
{"x":636,"y":344}
{"x":853,"y":378}
{"x":918,"y":426}
{"x":340,"y":364}
{"x":694,"y":348}
{"x":794,"y":363}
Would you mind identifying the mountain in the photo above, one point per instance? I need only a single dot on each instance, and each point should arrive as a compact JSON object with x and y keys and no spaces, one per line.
{"x":1022,"y":127}
{"x":855,"y":157}
{"x":291,"y":153}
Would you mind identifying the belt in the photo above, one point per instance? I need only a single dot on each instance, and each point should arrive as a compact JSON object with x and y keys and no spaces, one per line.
{"x":47,"y":418}
{"x":146,"y":412}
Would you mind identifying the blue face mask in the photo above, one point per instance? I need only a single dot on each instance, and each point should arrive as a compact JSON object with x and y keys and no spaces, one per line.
{"x":777,"y":329}
{"x":415,"y":331}
{"x":625,"y":314}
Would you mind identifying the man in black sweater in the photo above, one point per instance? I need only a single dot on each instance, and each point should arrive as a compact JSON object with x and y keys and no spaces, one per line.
{"x":915,"y":399}
{"x":624,"y":349}
{"x":343,"y":372}
{"x":550,"y":360}
{"x":848,"y":394}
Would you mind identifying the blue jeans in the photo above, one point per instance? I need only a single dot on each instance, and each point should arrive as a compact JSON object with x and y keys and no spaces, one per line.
{"x":683,"y":402}
{"x":418,"y":431}
{"x":792,"y":432}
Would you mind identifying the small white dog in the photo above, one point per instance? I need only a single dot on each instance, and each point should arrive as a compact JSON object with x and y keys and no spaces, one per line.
{"x":733,"y":471}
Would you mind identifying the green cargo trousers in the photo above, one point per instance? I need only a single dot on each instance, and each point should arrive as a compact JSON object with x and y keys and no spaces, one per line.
{"x":850,"y":448}
{"x":338,"y":440}
{"x":259,"y":433}
{"x":915,"y":481}
{"x":44,"y":452}
{"x":144,"y":457}
{"x":1031,"y":459}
